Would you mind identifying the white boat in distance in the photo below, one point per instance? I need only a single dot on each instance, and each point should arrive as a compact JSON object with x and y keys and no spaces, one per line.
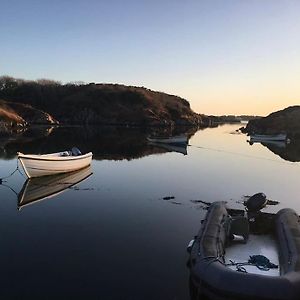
{"x":268,"y":137}
{"x":54,"y":163}
{"x":178,"y":139}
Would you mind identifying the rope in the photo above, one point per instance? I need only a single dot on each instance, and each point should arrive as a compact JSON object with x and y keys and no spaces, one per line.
{"x":240,"y":154}
{"x":259,"y":261}
{"x":7,"y":186}
{"x":11,"y":174}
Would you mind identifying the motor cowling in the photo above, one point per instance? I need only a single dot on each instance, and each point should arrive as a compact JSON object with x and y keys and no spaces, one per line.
{"x":256,"y":202}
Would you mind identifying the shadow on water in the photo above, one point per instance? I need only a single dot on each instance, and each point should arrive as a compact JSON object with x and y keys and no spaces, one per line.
{"x":289,"y":152}
{"x":106,"y":142}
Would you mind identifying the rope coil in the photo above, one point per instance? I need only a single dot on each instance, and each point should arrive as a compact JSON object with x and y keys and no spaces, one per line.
{"x":259,"y":261}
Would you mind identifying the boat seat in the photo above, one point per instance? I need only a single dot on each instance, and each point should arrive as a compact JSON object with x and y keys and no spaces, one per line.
{"x":75,"y":151}
{"x":239,"y":226}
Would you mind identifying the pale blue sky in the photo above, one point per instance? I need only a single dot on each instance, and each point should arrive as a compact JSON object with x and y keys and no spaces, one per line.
{"x":224,"y":56}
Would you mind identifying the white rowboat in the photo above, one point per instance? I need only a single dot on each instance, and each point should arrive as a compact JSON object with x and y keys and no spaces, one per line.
{"x":179,"y":139}
{"x":265,"y":137}
{"x":54,"y":163}
{"x":179,"y":148}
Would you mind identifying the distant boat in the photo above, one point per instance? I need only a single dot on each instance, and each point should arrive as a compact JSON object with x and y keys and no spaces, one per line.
{"x":178,"y":139}
{"x":268,"y":137}
{"x":40,"y":188}
{"x":54,"y":163}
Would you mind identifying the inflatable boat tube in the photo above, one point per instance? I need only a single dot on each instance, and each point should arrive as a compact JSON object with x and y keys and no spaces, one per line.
{"x":210,"y":275}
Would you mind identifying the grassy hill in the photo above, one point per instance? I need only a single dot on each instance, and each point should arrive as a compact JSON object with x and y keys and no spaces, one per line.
{"x":8,"y":115}
{"x":78,"y":103}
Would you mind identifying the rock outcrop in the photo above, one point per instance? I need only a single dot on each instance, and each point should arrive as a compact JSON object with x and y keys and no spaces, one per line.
{"x":18,"y":114}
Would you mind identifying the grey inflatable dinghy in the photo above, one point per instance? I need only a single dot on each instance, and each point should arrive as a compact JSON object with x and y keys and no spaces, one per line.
{"x":213,"y":273}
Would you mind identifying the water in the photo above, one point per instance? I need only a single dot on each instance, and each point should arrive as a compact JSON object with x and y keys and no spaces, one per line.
{"x":112,"y":235}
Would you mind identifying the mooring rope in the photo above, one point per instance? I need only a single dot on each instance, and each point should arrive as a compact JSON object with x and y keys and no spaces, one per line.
{"x":259,"y":261}
{"x":240,"y":154}
{"x":17,"y":169}
{"x":7,"y":186}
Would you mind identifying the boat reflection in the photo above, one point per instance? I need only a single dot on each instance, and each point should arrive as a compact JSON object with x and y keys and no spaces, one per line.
{"x":106,"y":143}
{"x":287,"y":151}
{"x":41,"y":188}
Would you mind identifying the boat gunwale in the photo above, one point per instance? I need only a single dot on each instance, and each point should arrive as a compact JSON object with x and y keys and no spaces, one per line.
{"x":168,"y":137}
{"x":53,"y":158}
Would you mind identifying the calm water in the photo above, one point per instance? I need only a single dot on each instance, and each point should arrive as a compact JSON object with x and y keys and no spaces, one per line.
{"x":112,"y":236}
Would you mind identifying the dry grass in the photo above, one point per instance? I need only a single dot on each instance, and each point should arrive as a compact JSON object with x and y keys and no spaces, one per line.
{"x":9,"y":115}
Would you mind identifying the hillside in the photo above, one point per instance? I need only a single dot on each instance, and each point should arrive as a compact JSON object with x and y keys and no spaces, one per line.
{"x":77,"y":103}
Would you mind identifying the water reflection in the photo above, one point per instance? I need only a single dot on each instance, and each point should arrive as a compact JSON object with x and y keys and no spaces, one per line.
{"x":122,"y":228}
{"x":22,"y":136}
{"x":112,"y":143}
{"x":40,"y":188}
{"x":287,"y":151}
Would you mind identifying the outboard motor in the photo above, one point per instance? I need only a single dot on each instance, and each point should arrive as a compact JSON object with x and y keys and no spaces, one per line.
{"x":75,"y":151}
{"x":256,"y":202}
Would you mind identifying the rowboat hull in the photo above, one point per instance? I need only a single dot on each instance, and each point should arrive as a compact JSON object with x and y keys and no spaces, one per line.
{"x":182,"y":139}
{"x":43,"y":165}
{"x":179,"y":148}
{"x":263,"y":137}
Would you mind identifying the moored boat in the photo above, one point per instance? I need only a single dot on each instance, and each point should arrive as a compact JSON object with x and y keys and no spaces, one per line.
{"x":268,"y":137}
{"x":179,"y":148}
{"x":218,"y":270}
{"x":178,"y":139}
{"x":49,"y":164}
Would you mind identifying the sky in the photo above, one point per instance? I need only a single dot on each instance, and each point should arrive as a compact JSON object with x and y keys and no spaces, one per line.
{"x":223,"y":56}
